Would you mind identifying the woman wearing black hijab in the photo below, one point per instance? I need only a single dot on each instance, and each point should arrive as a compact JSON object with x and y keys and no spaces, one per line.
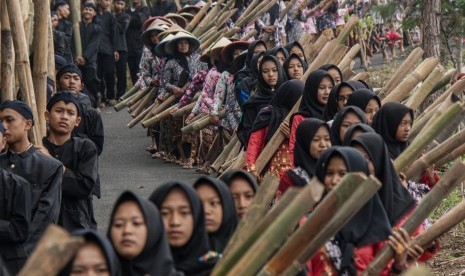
{"x":96,"y":246}
{"x":267,"y":123}
{"x":355,"y":131}
{"x":220,"y":212}
{"x":271,"y":76}
{"x":339,"y":96}
{"x":184,"y":221}
{"x":334,"y":72}
{"x":294,"y":67}
{"x":366,"y":100}
{"x":296,"y":48}
{"x":396,"y":199}
{"x":393,"y":122}
{"x":312,"y":139}
{"x":347,"y":117}
{"x":279,"y":52}
{"x":243,"y":187}
{"x":149,"y":252}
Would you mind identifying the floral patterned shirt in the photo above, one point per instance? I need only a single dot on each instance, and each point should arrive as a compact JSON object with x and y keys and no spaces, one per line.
{"x":205,"y":101}
{"x":150,"y":69}
{"x":195,"y":86}
{"x":327,"y":19}
{"x":224,"y":95}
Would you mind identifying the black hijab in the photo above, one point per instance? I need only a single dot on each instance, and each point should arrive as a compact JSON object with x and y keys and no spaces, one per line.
{"x":357,"y":127}
{"x":328,"y":67}
{"x":290,"y":45}
{"x":310,"y":106}
{"x":274,"y":51}
{"x":332,"y":106}
{"x":187,"y":257}
{"x":361,"y":97}
{"x":396,"y":199}
{"x":250,"y":54}
{"x":113,"y":264}
{"x":155,"y":258}
{"x":288,"y":61}
{"x":283,"y":101}
{"x":254,"y":71}
{"x":303,"y":138}
{"x":336,"y":126}
{"x":386,"y":122}
{"x":370,"y":224}
{"x":228,"y":177}
{"x":220,"y":238}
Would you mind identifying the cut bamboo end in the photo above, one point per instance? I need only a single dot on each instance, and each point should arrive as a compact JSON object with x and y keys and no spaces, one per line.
{"x":426,"y":88}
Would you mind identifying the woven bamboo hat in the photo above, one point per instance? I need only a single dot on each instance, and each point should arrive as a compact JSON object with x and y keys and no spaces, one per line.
{"x":177,"y":19}
{"x":194,"y":43}
{"x":215,"y":50}
{"x":160,"y":49}
{"x":157,"y":26}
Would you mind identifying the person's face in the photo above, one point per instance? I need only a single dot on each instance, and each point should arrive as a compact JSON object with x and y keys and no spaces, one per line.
{"x":90,"y":260}
{"x":71,"y":82}
{"x":128,"y":230}
{"x":349,"y":120}
{"x":344,"y":94}
{"x":183,"y":46}
{"x":120,"y":6}
{"x":296,"y":50}
{"x":335,"y":76}
{"x":136,"y":2}
{"x":54,"y":21}
{"x":270,"y":73}
{"x":16,"y":126}
{"x":236,"y":53}
{"x":63,"y":11}
{"x":335,"y":171}
{"x":260,"y":48}
{"x":281,"y":57}
{"x":154,"y":38}
{"x":370,"y":110}
{"x":243,"y":195}
{"x":295,"y":69}
{"x":371,"y":167}
{"x":177,"y":218}
{"x":323,"y":90}
{"x":320,"y":142}
{"x":212,"y":206}
{"x":88,"y":13}
{"x":63,"y":118}
{"x":105,"y":4}
{"x":403,"y":130}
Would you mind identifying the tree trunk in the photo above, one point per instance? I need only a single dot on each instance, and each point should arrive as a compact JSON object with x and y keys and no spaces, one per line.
{"x":430,"y":32}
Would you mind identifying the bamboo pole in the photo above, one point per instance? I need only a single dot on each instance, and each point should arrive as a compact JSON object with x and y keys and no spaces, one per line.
{"x":249,"y":35}
{"x":123,"y":103}
{"x":23,"y":68}
{"x":322,"y":57}
{"x":210,"y":40}
{"x":130,"y":92}
{"x":248,"y":10}
{"x":427,"y":136}
{"x":54,"y":250}
{"x":426,"y":88}
{"x":239,"y":163}
{"x":224,"y":154}
{"x":201,"y":123}
{"x":317,"y":47}
{"x":419,"y":124}
{"x":141,"y":116}
{"x":51,"y":70}
{"x":142,"y":104}
{"x":339,"y":54}
{"x":445,"y":185}
{"x":163,"y":114}
{"x":198,"y":16}
{"x":330,"y":215}
{"x":137,"y":97}
{"x":273,"y":230}
{"x":364,"y":76}
{"x":452,"y":155}
{"x":75,"y":8}
{"x":163,"y":106}
{"x":349,"y":57}
{"x":40,"y":65}
{"x":7,"y":56}
{"x":406,"y":67}
{"x":208,"y":19}
{"x":262,"y":8}
{"x":185,"y":109}
{"x":208,"y":34}
{"x":403,"y":89}
{"x":222,"y":20}
{"x":133,"y":107}
{"x":445,"y":80}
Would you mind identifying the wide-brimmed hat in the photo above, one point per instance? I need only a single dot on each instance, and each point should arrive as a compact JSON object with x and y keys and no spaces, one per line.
{"x":157,"y":26}
{"x":187,"y":16}
{"x":239,"y":62}
{"x":149,"y":22}
{"x":215,"y":50}
{"x":194,"y":43}
{"x":177,"y":19}
{"x":160,"y":49}
{"x":190,"y":9}
{"x":175,"y":28}
{"x":227,"y":52}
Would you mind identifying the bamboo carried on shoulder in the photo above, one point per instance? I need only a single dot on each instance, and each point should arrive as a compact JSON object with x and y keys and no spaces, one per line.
{"x":426,"y":88}
{"x":198,"y":16}
{"x":349,"y":57}
{"x":201,"y":123}
{"x":317,"y":47}
{"x":54,"y":250}
{"x":329,"y":216}
{"x":440,"y":191}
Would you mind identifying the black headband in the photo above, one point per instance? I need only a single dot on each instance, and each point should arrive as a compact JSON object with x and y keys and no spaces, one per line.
{"x":69,"y":68}
{"x":65,"y":96}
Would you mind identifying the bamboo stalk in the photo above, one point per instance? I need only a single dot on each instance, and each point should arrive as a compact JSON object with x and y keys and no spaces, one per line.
{"x":130,"y":92}
{"x":23,"y":68}
{"x":452,"y":155}
{"x":40,"y":65}
{"x":210,"y":40}
{"x":162,"y":107}
{"x":163,"y":114}
{"x":302,"y":6}
{"x":427,"y":136}
{"x":403,"y":89}
{"x":349,"y":57}
{"x":142,"y":104}
{"x":75,"y":7}
{"x":7,"y":56}
{"x":339,"y":54}
{"x":273,"y":230}
{"x":435,"y":155}
{"x":208,"y":34}
{"x":322,"y":57}
{"x":208,"y":19}
{"x":222,"y":20}
{"x":406,"y":67}
{"x":317,"y":47}
{"x":186,"y":109}
{"x":445,"y":185}
{"x":445,"y":80}
{"x":54,"y":250}
{"x":348,"y":27}
{"x":224,"y":154}
{"x":133,"y":107}
{"x":330,"y":215}
{"x":141,"y":116}
{"x":137,"y":97}
{"x":247,"y":10}
{"x":238,"y":164}
{"x":249,"y":35}
{"x":364,"y":76}
{"x":263,"y":7}
{"x":201,"y":123}
{"x":124,"y":102}
{"x":51,"y":54}
{"x":198,"y":16}
{"x":426,"y":88}
{"x":419,"y":124}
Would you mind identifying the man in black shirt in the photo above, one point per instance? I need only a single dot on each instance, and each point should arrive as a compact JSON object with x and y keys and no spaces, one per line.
{"x":122,"y":23}
{"x":61,"y":8}
{"x":79,"y":157}
{"x":43,"y":174}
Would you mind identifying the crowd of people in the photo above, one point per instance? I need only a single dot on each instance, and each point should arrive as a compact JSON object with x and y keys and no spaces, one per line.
{"x":246,"y":89}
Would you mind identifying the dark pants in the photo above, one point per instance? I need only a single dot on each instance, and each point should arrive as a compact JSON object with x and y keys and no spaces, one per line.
{"x":133,"y":64}
{"x":121,"y":68}
{"x":106,"y":73}
{"x":90,"y":80}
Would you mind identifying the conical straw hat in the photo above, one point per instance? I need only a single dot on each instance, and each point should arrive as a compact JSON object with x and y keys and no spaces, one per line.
{"x":157,"y":26}
{"x":177,"y":19}
{"x":160,"y":49}
{"x":194,"y":43}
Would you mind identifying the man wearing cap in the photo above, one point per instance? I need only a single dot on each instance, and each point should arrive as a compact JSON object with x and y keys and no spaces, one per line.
{"x":43,"y":173}
{"x":61,"y":8}
{"x":122,"y":24}
{"x":79,"y":157}
{"x":69,"y":78}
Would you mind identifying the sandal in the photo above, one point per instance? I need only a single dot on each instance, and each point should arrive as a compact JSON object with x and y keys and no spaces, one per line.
{"x":159,"y":154}
{"x":188,"y":164}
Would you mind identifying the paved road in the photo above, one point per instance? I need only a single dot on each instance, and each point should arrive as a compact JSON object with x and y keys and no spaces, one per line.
{"x":125,"y":165}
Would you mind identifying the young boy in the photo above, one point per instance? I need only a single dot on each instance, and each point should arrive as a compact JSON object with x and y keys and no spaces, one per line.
{"x":79,"y":157}
{"x":43,"y":174}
